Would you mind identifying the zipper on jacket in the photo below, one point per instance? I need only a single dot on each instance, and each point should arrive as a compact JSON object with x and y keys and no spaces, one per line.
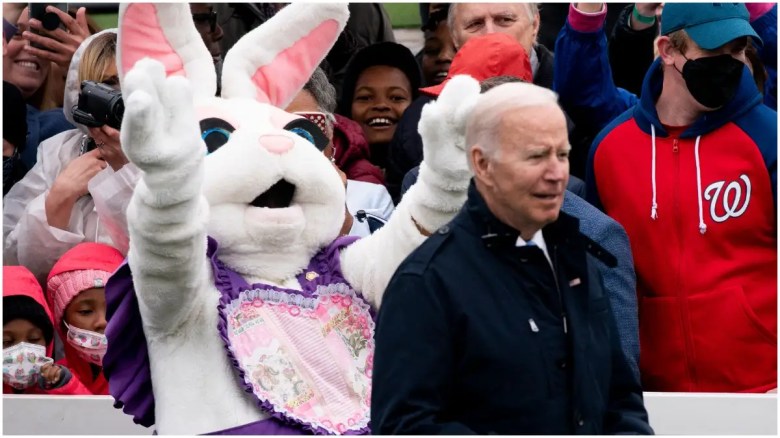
{"x":681,"y":298}
{"x":558,"y":289}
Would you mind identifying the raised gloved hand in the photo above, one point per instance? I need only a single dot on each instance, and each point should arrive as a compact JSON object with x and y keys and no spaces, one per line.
{"x":441,"y":188}
{"x":160,"y":131}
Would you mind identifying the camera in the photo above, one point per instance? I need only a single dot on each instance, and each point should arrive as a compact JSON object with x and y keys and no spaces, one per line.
{"x":99,"y":105}
{"x":49,"y":20}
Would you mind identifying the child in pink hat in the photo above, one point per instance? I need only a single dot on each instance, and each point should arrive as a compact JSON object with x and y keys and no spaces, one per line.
{"x":75,"y":291}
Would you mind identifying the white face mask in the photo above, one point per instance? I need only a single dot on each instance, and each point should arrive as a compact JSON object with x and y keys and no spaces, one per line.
{"x":22,"y":364}
{"x":90,"y":345}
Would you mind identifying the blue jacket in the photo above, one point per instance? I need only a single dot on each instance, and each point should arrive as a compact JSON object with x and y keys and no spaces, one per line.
{"x":42,"y":125}
{"x":619,"y":282}
{"x":766,"y":28}
{"x":477,"y":335}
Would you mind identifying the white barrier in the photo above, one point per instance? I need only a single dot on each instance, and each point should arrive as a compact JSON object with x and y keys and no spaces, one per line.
{"x":670,"y":414}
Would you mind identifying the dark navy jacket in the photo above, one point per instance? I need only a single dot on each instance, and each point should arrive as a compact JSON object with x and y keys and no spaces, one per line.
{"x":470,"y":338}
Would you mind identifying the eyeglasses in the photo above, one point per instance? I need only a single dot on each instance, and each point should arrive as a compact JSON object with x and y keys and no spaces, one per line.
{"x":322,"y":120}
{"x":207,"y":17}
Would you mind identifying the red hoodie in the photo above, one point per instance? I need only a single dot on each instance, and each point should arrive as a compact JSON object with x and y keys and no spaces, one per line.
{"x":84,"y":256}
{"x":19,"y":281}
{"x":700,"y":209}
{"x":352,"y":152}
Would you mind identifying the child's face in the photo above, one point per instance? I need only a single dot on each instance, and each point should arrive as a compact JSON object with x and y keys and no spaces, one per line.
{"x":88,"y":310}
{"x":22,"y":330}
{"x":437,"y":54}
{"x":382,"y":94}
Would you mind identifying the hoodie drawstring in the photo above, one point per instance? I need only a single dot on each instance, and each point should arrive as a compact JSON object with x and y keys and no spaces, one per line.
{"x":654,"y":208}
{"x":702,"y":225}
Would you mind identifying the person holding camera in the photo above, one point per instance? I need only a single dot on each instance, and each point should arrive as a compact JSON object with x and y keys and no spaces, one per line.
{"x":80,"y":186}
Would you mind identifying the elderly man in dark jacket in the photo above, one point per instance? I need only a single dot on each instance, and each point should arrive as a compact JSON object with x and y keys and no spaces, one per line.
{"x":499,"y":323}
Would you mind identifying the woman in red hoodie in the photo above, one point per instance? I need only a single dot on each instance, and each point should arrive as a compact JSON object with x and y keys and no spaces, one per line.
{"x":28,"y":340}
{"x":76,"y":294}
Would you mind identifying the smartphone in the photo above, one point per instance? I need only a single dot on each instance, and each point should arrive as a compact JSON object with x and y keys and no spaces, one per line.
{"x":49,"y":20}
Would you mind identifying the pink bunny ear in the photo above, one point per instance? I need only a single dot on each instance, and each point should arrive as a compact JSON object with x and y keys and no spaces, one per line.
{"x":274,"y":61}
{"x":166,"y":33}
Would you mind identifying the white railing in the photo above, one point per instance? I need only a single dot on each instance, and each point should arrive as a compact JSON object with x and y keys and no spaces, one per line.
{"x":670,"y":414}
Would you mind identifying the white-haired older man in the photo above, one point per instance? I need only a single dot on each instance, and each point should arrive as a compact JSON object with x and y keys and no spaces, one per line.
{"x":498,"y":323}
{"x":519,"y":20}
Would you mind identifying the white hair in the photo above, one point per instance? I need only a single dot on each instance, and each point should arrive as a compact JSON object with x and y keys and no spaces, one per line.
{"x":482,"y":127}
{"x":531,"y":8}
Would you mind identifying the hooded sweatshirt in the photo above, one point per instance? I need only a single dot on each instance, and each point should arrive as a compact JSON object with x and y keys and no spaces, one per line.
{"x":18,"y":281}
{"x":352,"y":152}
{"x":74,"y":272}
{"x":97,"y":217}
{"x":700,"y":208}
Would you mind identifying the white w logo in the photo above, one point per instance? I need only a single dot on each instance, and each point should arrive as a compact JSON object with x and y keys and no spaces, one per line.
{"x":730,"y":203}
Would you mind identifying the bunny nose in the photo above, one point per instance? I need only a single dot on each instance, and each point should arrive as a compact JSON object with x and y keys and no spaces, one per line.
{"x":276,"y":144}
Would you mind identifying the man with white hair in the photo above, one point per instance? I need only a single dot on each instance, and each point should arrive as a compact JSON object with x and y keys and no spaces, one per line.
{"x":518,"y":20}
{"x":499,"y":323}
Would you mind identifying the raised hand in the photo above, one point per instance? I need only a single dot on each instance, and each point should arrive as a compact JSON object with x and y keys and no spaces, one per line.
{"x":60,"y":44}
{"x":160,"y":132}
{"x":443,"y":129}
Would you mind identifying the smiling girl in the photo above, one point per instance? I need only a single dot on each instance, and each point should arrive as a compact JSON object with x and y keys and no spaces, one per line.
{"x":380,"y":82}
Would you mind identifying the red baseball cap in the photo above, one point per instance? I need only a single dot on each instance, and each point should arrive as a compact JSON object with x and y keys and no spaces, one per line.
{"x":487,"y":56}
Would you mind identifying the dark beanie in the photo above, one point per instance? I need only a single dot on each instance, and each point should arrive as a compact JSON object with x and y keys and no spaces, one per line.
{"x":384,"y":53}
{"x":14,"y":116}
{"x":24,"y":307}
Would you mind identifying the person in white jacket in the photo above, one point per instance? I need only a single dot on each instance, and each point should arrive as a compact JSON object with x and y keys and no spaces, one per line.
{"x":72,"y":196}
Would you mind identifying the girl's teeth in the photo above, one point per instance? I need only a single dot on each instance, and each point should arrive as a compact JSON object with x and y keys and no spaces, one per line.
{"x":27,"y":64}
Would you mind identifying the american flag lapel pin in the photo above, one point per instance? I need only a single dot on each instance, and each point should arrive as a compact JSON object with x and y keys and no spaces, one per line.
{"x":575,"y":282}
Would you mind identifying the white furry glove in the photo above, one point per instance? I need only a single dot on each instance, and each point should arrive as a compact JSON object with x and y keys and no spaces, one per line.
{"x":160,"y":134}
{"x":167,"y":215}
{"x":444,"y":177}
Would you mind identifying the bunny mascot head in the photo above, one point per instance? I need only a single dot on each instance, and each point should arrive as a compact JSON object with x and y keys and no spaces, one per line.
{"x":245,"y":312}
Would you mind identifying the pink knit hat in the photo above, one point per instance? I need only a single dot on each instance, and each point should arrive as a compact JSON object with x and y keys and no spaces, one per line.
{"x":85,"y":266}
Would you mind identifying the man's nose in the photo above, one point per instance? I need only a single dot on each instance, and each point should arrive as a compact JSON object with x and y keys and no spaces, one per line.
{"x":490,"y":27}
{"x":557,"y":170}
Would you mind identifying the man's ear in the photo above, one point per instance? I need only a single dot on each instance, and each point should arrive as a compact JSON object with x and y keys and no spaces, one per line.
{"x":481,"y":164}
{"x":665,"y":50}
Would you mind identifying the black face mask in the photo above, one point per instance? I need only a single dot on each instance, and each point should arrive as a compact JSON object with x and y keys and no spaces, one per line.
{"x":712,"y":81}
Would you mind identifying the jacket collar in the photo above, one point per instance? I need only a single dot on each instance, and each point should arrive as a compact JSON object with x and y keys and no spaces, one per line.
{"x":477,"y":217}
{"x":543,"y":72}
{"x":645,"y":112}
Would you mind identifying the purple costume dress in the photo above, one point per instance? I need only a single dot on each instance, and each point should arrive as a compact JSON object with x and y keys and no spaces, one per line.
{"x":306,"y":356}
